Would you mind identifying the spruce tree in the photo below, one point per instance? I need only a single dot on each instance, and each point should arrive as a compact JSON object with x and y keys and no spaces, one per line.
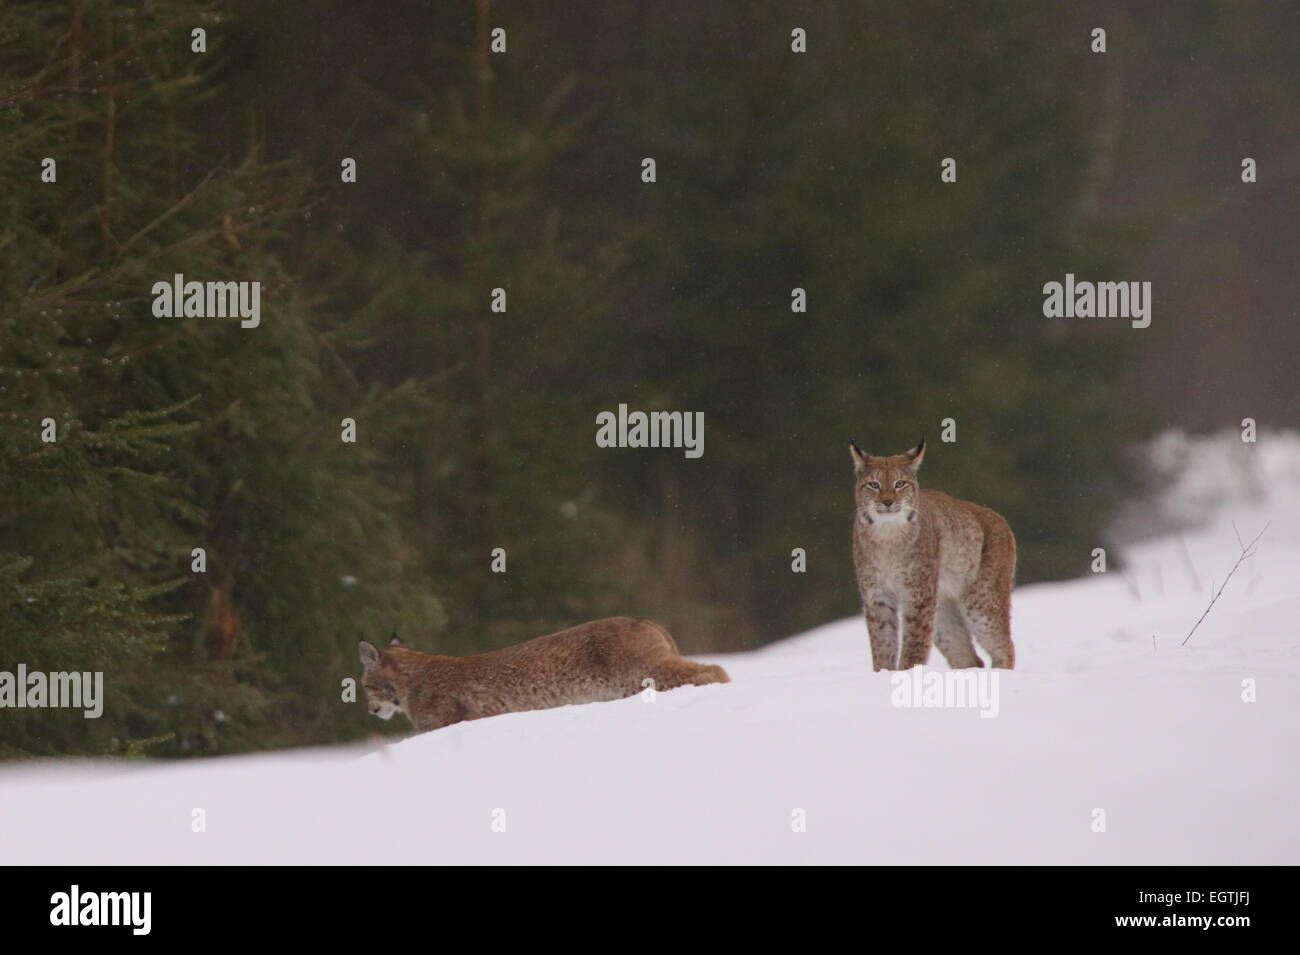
{"x":174,"y":433}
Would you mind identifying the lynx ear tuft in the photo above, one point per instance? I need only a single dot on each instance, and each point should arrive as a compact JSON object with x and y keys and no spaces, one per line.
{"x":395,"y":642}
{"x":917,"y":454}
{"x":860,"y":458}
{"x":369,"y":654}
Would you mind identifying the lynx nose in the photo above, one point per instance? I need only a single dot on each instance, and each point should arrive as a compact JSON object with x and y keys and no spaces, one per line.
{"x":886,"y":502}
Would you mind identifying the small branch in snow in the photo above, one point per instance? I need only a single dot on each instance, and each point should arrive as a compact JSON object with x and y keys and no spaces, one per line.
{"x":1246,"y":551}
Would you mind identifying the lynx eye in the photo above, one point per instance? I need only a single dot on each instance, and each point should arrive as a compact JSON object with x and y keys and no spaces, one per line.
{"x":900,"y":484}
{"x":874,"y":485}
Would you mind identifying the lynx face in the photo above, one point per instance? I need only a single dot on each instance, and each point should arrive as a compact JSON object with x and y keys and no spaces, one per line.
{"x":886,"y":488}
{"x":382,"y":698}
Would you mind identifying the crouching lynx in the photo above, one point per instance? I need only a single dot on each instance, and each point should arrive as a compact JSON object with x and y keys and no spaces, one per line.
{"x":944,"y":566}
{"x":593,"y":662}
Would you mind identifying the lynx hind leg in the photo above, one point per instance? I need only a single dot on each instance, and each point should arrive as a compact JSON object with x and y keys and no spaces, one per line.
{"x":988,"y":612}
{"x":953,"y":638}
{"x":988,"y":602}
{"x":669,"y":669}
{"x":709,"y":673}
{"x":991,"y":623}
{"x":661,"y":634}
{"x":882,"y":629}
{"x":670,"y":674}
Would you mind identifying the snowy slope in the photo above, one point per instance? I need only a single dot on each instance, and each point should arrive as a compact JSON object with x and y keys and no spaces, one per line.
{"x":1104,"y":711}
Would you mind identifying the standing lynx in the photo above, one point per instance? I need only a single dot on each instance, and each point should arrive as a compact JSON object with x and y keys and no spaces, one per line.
{"x":944,"y":566}
{"x":603,"y":660}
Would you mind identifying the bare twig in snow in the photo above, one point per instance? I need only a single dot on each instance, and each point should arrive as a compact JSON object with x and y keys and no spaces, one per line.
{"x":1246,"y":551}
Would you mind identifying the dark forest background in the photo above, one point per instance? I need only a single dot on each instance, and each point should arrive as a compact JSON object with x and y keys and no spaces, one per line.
{"x":476,"y":430}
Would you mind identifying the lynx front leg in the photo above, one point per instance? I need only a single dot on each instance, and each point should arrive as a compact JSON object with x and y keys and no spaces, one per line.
{"x":882,"y":628}
{"x":918,"y":630}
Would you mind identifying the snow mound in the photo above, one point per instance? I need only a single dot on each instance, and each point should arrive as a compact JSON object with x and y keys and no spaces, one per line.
{"x":1107,"y":717}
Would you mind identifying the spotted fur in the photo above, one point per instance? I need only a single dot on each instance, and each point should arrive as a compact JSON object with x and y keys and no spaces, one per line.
{"x":944,"y":568}
{"x":603,"y":660}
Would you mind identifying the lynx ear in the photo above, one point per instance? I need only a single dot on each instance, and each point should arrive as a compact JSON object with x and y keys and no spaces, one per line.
{"x":916,"y":454}
{"x":395,"y":642}
{"x":369,"y":654}
{"x":860,"y":458}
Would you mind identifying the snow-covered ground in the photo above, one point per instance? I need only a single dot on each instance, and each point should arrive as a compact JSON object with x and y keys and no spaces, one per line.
{"x":1105,"y":711}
